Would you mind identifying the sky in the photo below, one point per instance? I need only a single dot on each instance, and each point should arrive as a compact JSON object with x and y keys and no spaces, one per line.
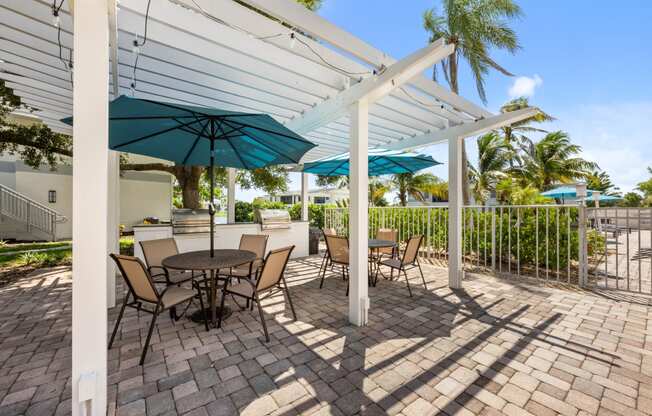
{"x":587,"y":63}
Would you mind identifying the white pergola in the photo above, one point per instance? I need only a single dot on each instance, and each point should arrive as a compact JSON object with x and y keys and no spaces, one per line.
{"x":319,"y":80}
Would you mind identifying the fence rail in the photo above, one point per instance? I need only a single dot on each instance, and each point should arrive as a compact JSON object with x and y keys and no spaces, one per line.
{"x":32,"y":214}
{"x":538,"y":241}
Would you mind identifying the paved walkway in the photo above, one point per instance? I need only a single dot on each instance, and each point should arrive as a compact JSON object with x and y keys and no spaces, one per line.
{"x":496,"y":347}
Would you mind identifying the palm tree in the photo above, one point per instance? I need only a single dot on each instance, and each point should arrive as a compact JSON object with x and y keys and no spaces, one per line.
{"x":377,"y":191}
{"x":599,"y":180}
{"x":550,"y":161}
{"x":473,"y":27}
{"x":494,"y":157}
{"x":418,"y":186}
{"x":515,"y":133}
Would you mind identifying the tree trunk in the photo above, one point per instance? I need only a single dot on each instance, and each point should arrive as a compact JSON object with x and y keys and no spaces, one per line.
{"x":187,"y":176}
{"x":465,"y":168}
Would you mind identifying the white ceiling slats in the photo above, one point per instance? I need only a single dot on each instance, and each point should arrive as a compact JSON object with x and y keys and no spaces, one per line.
{"x":247,"y":63}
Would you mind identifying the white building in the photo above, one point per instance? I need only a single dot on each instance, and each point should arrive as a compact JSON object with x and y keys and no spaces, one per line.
{"x":142,"y":194}
{"x":315,"y":196}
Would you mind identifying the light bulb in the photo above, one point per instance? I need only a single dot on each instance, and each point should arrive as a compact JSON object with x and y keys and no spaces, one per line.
{"x":55,"y":19}
{"x":293,"y":41}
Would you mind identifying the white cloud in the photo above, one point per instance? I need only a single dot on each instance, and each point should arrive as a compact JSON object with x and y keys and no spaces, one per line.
{"x":524,"y":86}
{"x":615,"y":135}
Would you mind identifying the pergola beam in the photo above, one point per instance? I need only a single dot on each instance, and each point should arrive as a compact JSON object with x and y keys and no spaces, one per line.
{"x":465,"y":130}
{"x":296,"y":15}
{"x":371,"y":89}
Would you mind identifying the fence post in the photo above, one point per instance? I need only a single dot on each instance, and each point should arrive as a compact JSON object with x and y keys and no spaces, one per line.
{"x":582,"y":243}
{"x":493,"y":238}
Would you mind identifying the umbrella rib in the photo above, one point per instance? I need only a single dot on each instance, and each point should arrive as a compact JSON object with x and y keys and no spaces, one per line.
{"x":147,"y":117}
{"x":192,"y":149}
{"x":296,"y":138}
{"x":337,"y":167}
{"x":153,"y":134}
{"x":237,"y":154}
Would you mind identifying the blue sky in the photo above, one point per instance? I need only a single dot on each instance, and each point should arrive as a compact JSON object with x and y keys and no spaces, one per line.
{"x":587,"y":63}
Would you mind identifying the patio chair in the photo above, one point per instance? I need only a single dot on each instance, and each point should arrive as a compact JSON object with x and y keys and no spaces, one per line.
{"x":409,"y":261}
{"x":256,"y":243}
{"x":337,"y":248}
{"x":144,"y":292}
{"x":154,"y":252}
{"x":270,"y":279}
{"x":325,"y":260}
{"x":390,"y":235}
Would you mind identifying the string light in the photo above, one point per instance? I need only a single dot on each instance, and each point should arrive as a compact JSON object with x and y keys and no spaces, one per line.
{"x":136,"y":49}
{"x":293,"y":40}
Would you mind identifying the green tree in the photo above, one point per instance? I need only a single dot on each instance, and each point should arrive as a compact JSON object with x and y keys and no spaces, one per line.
{"x":377,"y":191}
{"x":515,"y":134}
{"x":552,"y":160}
{"x":474,"y":28}
{"x":494,"y":156}
{"x":418,"y":186}
{"x":599,"y":180}
{"x":631,"y":199}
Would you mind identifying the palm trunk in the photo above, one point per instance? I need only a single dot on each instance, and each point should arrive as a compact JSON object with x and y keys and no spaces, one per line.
{"x":465,"y":168}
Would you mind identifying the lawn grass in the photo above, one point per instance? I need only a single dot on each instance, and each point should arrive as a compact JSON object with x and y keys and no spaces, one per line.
{"x":11,"y":247}
{"x":37,"y":259}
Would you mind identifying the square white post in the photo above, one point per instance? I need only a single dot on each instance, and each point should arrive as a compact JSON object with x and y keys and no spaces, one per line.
{"x":455,"y":271}
{"x":230,"y":196}
{"x":113,"y":223}
{"x":90,"y":207}
{"x":304,"y":196}
{"x":358,"y":221}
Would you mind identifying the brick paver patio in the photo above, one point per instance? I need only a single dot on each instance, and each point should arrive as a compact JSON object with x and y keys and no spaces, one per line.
{"x":497,"y":347}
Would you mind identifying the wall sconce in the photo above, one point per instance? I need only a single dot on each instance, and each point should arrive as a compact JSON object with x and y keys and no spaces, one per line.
{"x":52,"y":196}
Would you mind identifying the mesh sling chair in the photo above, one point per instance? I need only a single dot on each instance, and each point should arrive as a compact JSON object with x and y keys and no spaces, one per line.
{"x":326,"y":261}
{"x":389,"y":235}
{"x":154,"y":252}
{"x":270,"y":279}
{"x":337,"y":248}
{"x":409,"y":261}
{"x":256,"y":243}
{"x":144,"y":292}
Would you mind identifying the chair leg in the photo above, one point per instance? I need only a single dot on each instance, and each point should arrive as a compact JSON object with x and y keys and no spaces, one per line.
{"x":201,"y":305}
{"x":287,"y":294}
{"x":149,"y":335}
{"x":262,"y":318}
{"x":422,"y":278}
{"x":406,"y":280}
{"x":219,"y":319}
{"x":348,"y":281}
{"x":117,"y":323}
{"x":323,"y":275}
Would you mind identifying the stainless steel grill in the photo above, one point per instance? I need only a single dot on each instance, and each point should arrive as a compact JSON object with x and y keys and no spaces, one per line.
{"x":186,"y":221}
{"x":273,"y":219}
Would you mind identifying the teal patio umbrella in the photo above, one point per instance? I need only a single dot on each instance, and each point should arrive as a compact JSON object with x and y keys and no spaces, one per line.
{"x":569,"y":192}
{"x":381,"y":162}
{"x":191,"y":135}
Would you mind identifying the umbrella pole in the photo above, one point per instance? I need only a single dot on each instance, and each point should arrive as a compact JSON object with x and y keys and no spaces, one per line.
{"x":211,"y":207}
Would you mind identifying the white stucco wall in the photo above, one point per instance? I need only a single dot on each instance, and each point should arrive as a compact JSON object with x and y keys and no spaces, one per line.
{"x":142,"y":194}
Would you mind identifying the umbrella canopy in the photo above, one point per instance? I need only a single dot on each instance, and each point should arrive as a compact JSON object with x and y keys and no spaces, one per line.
{"x":381,"y":162}
{"x":569,"y":192}
{"x":184,"y":134}
{"x":190,"y":135}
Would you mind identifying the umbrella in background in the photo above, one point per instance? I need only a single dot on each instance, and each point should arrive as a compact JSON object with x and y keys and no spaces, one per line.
{"x":190,"y":135}
{"x":569,"y":192}
{"x":381,"y":162}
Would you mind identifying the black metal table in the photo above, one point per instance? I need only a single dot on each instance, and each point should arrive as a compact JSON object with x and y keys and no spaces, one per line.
{"x":374,"y":266}
{"x":202,"y":261}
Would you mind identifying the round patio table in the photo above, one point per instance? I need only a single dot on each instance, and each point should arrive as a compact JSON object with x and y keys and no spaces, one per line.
{"x":202,"y":261}
{"x":375,"y":245}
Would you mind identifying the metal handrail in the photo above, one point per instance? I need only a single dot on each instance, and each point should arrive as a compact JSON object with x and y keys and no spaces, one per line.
{"x":32,"y":213}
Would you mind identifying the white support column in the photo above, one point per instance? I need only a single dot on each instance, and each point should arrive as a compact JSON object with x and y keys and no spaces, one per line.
{"x":90,"y":208}
{"x":304,"y":196}
{"x":455,"y":201}
{"x":358,"y":221}
{"x":113,"y":223}
{"x":230,"y":201}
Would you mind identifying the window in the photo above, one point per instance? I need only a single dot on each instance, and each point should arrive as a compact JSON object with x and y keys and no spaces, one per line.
{"x":319,"y":199}
{"x":286,"y":199}
{"x":52,"y":196}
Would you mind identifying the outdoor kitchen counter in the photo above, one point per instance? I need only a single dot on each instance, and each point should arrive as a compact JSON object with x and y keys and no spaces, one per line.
{"x":226,"y":236}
